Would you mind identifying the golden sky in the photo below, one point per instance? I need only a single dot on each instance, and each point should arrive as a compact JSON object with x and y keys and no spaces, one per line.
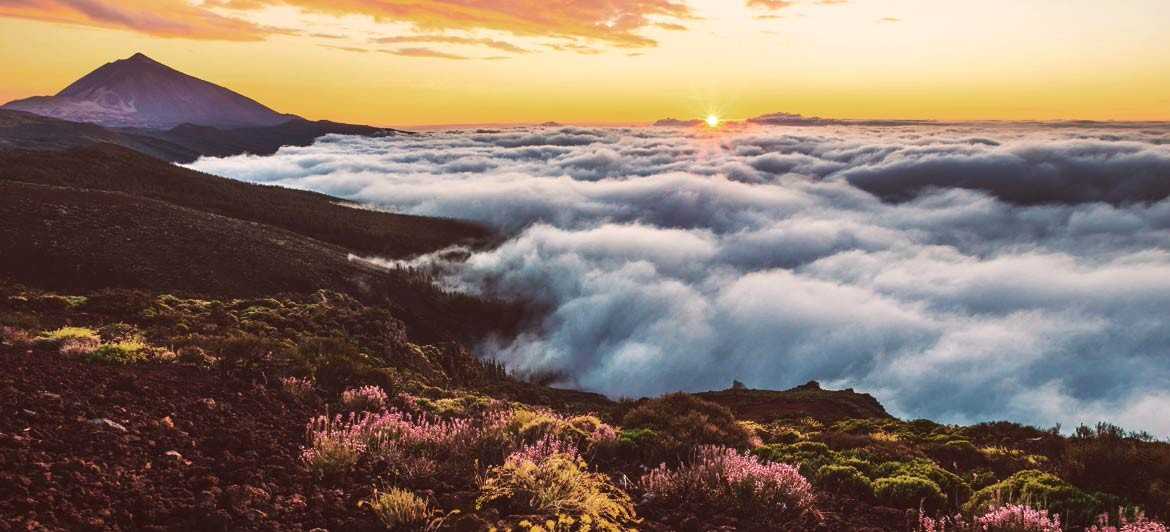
{"x":415,"y":62}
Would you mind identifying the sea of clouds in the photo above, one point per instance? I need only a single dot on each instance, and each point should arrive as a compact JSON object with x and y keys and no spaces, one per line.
{"x":960,"y":272}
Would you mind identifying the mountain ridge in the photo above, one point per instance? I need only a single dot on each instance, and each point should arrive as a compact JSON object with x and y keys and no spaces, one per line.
{"x":143,"y":93}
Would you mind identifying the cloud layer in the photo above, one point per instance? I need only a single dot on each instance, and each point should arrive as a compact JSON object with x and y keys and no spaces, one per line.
{"x":959,"y":272}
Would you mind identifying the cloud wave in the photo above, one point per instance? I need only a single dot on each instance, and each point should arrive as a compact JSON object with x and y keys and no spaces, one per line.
{"x":961,"y":272}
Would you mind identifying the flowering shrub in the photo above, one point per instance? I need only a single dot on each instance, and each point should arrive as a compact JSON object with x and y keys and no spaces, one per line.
{"x":299,"y":388}
{"x":1139,"y":523}
{"x":1005,"y":518}
{"x":544,"y":480}
{"x":14,"y":337}
{"x":77,"y":347}
{"x":334,"y":444}
{"x":367,"y":398}
{"x":720,"y":478}
{"x":1017,"y":518}
{"x":1076,"y":507}
{"x":401,"y":509}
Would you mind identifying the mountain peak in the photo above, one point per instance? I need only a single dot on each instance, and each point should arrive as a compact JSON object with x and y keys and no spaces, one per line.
{"x":140,"y":57}
{"x":140,"y":92}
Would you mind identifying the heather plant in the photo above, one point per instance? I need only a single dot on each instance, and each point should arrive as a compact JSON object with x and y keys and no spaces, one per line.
{"x":1135,"y":521}
{"x":1044,"y":490}
{"x":334,"y":444}
{"x":298,"y":387}
{"x":15,"y":337}
{"x":366,"y":398}
{"x":998,"y":518}
{"x":1017,"y":518}
{"x":719,"y":479}
{"x":77,"y":347}
{"x":550,"y":480}
{"x":399,"y":509}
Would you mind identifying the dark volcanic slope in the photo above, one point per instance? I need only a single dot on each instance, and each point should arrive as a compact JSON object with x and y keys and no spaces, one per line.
{"x":108,"y":217}
{"x":113,"y":168}
{"x":806,"y":400}
{"x":75,"y":240}
{"x":183,"y":144}
{"x":141,"y":92}
{"x":21,"y":130}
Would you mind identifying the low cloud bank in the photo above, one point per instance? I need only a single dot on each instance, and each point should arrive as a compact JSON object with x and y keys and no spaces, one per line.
{"x":958,"y":272}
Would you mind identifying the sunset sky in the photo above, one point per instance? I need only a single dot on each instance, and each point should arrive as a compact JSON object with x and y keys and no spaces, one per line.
{"x":413,"y":62}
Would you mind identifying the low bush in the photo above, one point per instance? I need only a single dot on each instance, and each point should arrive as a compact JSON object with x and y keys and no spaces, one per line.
{"x":684,"y":422}
{"x":845,"y":480}
{"x":1017,"y":518}
{"x":297,"y":387}
{"x":128,"y":352}
{"x":334,"y":444}
{"x":365,"y":398}
{"x":908,"y":492}
{"x":57,"y":337}
{"x":954,"y":488}
{"x":720,"y":480}
{"x":398,"y":509}
{"x":14,"y":337}
{"x":546,"y":480}
{"x":1044,"y":490}
{"x":1003,"y":518}
{"x":195,"y":355}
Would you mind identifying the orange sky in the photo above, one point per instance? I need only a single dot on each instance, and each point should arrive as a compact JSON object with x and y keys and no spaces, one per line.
{"x":412,"y":62}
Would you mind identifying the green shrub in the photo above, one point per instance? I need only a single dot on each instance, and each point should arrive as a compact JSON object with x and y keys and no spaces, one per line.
{"x":683,"y":423}
{"x":809,"y":455}
{"x":398,"y":509}
{"x":118,"y":332}
{"x":555,"y":485}
{"x":954,"y":488}
{"x":845,"y":480}
{"x":57,"y":337}
{"x":128,"y":352}
{"x":190,"y":354}
{"x":1044,"y":490}
{"x":908,"y":492}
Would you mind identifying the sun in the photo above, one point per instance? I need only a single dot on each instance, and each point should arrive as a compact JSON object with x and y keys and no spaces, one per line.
{"x":712,"y":121}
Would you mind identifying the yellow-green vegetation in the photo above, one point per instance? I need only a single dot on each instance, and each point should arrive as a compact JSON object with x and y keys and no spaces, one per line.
{"x":908,"y":492}
{"x":125,"y":352}
{"x":57,"y":336}
{"x":1045,"y":490}
{"x":399,"y":509}
{"x":843,"y":479}
{"x":559,"y":485}
{"x":677,"y":423}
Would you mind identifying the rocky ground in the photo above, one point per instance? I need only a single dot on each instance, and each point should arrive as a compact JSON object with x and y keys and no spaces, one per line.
{"x":95,"y":447}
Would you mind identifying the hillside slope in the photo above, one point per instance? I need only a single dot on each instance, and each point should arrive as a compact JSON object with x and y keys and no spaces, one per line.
{"x":108,"y":217}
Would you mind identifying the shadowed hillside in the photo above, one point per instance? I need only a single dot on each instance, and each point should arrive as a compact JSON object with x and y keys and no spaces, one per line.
{"x":806,"y":400}
{"x":116,"y":169}
{"x":107,"y":217}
